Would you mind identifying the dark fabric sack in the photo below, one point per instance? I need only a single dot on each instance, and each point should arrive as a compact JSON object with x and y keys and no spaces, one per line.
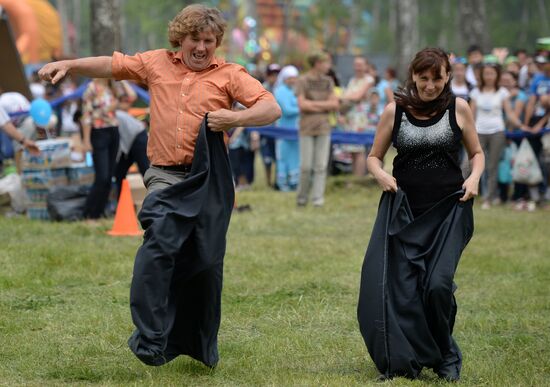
{"x":175,"y":296}
{"x":67,"y":203}
{"x":407,"y":308}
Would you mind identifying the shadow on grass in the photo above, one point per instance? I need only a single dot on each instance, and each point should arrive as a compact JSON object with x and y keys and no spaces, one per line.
{"x":132,"y":372}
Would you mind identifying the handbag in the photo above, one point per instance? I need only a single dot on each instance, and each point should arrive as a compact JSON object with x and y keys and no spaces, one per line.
{"x":526,"y":166}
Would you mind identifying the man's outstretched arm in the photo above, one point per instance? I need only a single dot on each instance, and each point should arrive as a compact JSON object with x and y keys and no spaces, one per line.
{"x":92,"y":67}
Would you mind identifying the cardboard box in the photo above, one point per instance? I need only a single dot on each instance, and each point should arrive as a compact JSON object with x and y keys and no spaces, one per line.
{"x":53,"y":154}
{"x":44,"y":178}
{"x":38,"y":213}
{"x":80,"y":174}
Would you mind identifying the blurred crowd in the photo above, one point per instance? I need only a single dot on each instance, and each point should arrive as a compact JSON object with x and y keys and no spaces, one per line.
{"x":509,"y":94}
{"x":104,"y":130}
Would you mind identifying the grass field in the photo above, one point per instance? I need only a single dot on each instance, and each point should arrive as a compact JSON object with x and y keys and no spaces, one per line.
{"x":289,"y":307}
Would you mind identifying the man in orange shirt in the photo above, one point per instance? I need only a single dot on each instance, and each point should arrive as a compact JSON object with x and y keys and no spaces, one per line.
{"x":184,"y":86}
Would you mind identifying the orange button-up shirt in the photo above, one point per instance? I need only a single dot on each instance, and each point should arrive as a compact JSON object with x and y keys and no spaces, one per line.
{"x":180,"y":97}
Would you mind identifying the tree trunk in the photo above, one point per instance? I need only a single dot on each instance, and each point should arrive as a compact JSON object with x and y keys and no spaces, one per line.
{"x":407,"y":34}
{"x":443,"y":39}
{"x":544,"y":16}
{"x":63,"y":15}
{"x":77,"y":16}
{"x":522,"y":39}
{"x":473,"y":20}
{"x":105,"y":26}
{"x":375,"y":15}
{"x":287,"y":8}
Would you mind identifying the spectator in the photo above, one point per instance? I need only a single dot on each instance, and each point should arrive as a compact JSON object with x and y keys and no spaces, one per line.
{"x":132,"y":146}
{"x":101,"y":137}
{"x":353,"y":111}
{"x":287,"y":151}
{"x":475,"y":59}
{"x":511,"y":64}
{"x":38,"y":90}
{"x":68,"y":109}
{"x":267,"y":144}
{"x":459,"y":85}
{"x":488,"y":102}
{"x":536,"y":116}
{"x":374,"y":109}
{"x":316,"y":99}
{"x":387,"y":86}
{"x":9,"y":128}
{"x":242,"y":150}
{"x":524,"y":61}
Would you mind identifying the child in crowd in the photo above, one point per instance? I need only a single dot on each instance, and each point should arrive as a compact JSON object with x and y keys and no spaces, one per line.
{"x":505,"y":170}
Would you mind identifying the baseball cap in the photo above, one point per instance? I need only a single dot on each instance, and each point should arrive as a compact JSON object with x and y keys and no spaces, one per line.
{"x":541,"y":59}
{"x":273,"y":68}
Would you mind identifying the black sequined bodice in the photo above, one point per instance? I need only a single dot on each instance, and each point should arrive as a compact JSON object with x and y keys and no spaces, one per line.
{"x":427,"y":164}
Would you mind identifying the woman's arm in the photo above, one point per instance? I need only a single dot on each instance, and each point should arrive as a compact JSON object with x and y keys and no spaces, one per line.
{"x":511,"y":115}
{"x":530,"y":109}
{"x":359,"y":94}
{"x":288,"y":103}
{"x":129,"y":95}
{"x":518,"y":107}
{"x":388,"y":91}
{"x":382,"y":141}
{"x":465,"y":120}
{"x":541,"y":123}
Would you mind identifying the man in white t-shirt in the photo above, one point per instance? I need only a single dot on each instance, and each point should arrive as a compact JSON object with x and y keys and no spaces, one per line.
{"x":9,"y":128}
{"x":475,"y":58}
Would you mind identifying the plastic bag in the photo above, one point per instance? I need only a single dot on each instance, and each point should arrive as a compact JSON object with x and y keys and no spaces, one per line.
{"x":526,"y":166}
{"x":67,"y":203}
{"x":12,"y":185}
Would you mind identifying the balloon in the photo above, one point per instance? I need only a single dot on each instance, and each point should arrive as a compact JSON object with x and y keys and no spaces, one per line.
{"x":41,"y":111}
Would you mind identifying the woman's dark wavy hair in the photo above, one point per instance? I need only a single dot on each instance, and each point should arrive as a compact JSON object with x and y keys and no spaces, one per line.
{"x":407,"y":97}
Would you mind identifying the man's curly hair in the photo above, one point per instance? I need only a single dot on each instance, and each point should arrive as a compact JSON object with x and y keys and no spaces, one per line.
{"x":194,"y":19}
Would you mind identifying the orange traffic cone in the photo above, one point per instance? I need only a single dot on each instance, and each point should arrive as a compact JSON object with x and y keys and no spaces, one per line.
{"x":125,"y":217}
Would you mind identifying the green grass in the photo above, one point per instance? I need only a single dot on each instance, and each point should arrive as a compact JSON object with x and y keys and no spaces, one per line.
{"x":289,"y":303}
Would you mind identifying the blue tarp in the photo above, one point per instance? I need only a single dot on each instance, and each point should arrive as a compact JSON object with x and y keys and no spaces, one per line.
{"x":337,"y":137}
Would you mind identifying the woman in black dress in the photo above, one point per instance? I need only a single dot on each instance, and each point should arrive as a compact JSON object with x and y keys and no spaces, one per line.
{"x":406,"y":306}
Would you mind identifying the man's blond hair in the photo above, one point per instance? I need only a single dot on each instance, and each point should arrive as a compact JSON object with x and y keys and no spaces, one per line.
{"x":193,"y":20}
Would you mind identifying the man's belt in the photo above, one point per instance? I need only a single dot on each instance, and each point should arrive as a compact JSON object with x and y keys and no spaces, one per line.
{"x":179,"y":168}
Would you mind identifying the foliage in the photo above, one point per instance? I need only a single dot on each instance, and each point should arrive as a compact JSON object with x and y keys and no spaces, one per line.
{"x":289,"y":303}
{"x":367,"y":23}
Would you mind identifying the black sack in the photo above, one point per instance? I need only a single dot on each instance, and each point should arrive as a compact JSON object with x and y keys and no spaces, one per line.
{"x":175,"y":296}
{"x":67,"y":203}
{"x":408,"y":262}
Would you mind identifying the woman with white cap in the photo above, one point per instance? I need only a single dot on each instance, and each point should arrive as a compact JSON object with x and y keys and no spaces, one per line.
{"x":287,"y":151}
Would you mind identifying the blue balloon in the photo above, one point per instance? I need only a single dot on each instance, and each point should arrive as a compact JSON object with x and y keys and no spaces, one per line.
{"x":41,"y":111}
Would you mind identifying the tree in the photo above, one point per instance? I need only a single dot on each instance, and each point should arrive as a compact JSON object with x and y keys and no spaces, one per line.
{"x":407,"y":34}
{"x":105,"y":26}
{"x":474,"y":24}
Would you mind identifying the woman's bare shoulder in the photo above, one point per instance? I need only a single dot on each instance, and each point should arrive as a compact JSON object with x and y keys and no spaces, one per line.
{"x":461,"y":105}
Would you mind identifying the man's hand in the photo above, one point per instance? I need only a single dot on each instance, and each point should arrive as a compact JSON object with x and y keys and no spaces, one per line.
{"x":222,"y":120}
{"x":55,"y":71}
